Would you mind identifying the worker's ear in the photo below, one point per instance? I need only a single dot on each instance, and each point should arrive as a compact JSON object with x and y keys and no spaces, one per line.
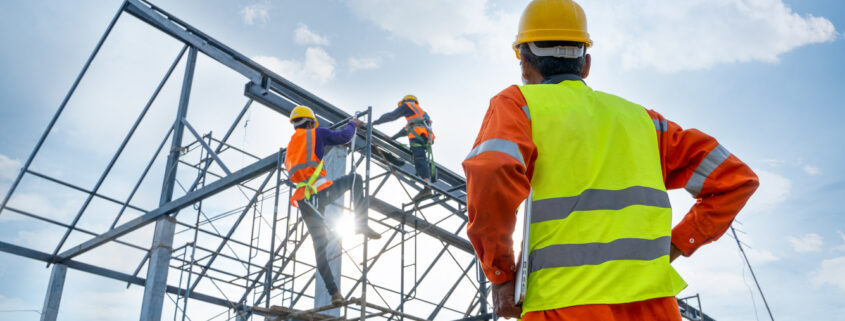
{"x":530,"y":75}
{"x":524,"y":66}
{"x":585,"y":71}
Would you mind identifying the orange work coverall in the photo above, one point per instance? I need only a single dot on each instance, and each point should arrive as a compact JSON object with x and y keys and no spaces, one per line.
{"x":497,"y":183}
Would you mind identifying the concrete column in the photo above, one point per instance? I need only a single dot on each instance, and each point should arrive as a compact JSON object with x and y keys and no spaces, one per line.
{"x":334,"y":161}
{"x":54,"y":293}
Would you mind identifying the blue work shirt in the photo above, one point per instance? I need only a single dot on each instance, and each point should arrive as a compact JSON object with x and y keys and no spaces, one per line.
{"x":327,"y":137}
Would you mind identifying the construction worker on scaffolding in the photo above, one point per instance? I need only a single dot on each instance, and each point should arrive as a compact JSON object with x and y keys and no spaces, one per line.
{"x":420,"y":137}
{"x":597,"y":167}
{"x":303,"y":161}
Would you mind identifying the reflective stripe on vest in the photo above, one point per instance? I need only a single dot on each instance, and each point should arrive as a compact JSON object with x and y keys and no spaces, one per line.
{"x":601,"y":221}
{"x":416,"y":125}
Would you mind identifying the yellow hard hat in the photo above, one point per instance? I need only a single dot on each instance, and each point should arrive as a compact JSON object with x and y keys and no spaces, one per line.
{"x":552,"y":20}
{"x":410,"y":97}
{"x":302,"y":112}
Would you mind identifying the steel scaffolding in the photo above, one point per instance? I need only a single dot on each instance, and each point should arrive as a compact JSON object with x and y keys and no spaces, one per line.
{"x":421,"y":269}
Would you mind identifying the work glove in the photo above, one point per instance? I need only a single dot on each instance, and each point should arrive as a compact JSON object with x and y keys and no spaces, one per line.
{"x":503,"y":300}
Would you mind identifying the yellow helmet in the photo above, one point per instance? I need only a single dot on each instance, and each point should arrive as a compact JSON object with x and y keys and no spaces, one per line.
{"x":303,"y":112}
{"x":410,"y":97}
{"x":552,"y":20}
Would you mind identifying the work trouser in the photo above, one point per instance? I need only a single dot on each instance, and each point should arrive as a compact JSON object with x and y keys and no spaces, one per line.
{"x":421,"y":164}
{"x":320,"y":234}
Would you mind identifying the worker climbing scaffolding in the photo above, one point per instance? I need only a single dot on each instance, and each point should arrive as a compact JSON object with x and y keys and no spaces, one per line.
{"x":420,"y":137}
{"x":304,"y":163}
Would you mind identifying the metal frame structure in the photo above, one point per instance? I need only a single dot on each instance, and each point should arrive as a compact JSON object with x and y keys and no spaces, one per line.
{"x":275,"y":286}
{"x":274,"y":279}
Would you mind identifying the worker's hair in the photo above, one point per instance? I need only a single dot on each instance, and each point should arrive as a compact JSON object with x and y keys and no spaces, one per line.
{"x":548,"y":66}
{"x":302,"y":123}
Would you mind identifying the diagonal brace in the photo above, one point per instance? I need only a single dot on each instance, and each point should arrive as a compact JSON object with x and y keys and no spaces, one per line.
{"x":206,"y":147}
{"x":247,"y":173}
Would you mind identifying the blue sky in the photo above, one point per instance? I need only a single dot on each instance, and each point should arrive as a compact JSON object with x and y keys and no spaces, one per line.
{"x":765,"y":77}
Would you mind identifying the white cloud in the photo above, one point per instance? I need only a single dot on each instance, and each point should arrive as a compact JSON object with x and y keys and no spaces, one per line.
{"x":774,"y":190}
{"x":286,"y":68}
{"x":689,"y":35}
{"x":667,"y":35}
{"x":808,"y":243}
{"x":759,"y":257}
{"x":304,"y":36}
{"x":773,"y":162}
{"x":318,"y":65}
{"x":840,"y":247}
{"x":830,"y":272}
{"x":812,"y":170}
{"x":256,"y":13}
{"x":9,"y":168}
{"x":445,"y":27}
{"x":364,"y":63}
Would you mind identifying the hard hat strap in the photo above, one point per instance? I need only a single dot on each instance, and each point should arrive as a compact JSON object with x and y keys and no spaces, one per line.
{"x":570,"y":52}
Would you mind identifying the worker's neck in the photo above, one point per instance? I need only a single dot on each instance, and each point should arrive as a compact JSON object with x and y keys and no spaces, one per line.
{"x":558,"y":78}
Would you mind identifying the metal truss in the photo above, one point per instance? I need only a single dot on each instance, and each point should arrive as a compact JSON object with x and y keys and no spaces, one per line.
{"x":426,"y":270}
{"x":198,"y":259}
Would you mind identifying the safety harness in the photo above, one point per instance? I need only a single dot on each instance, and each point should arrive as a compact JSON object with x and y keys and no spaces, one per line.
{"x":309,"y":183}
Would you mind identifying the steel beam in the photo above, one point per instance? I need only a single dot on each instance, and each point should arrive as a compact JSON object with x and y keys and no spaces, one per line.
{"x":115,"y":275}
{"x":273,"y":90}
{"x":54,"y":293}
{"x":266,"y":164}
{"x":422,"y":225}
{"x":215,"y":253}
{"x":61,"y":107}
{"x":206,"y":147}
{"x":160,"y":251}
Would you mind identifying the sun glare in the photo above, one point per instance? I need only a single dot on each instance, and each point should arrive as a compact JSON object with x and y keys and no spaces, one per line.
{"x":344,"y":226}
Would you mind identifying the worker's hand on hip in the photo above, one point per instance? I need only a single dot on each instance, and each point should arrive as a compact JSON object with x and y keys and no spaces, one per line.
{"x":357,"y":122}
{"x":503,"y":300}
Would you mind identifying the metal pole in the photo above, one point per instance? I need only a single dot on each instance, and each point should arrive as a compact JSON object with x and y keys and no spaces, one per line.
{"x":482,"y":289}
{"x":203,"y":175}
{"x":160,"y":252}
{"x":366,"y":208}
{"x":268,"y":277}
{"x":117,"y":154}
{"x":61,"y":108}
{"x":54,"y":293}
{"x":698,"y":298}
{"x":738,"y":243}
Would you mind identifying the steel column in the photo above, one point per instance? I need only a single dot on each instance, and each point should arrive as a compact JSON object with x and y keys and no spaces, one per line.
{"x":335,"y":165}
{"x":54,"y":293}
{"x":160,"y":252}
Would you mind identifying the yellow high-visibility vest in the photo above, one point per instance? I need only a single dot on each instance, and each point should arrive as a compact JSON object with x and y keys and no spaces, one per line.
{"x":600,"y":231}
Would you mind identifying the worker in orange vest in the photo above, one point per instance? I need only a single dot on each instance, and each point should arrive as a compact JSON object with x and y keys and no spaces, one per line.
{"x":420,"y":136}
{"x":594,"y":169}
{"x":303,"y":161}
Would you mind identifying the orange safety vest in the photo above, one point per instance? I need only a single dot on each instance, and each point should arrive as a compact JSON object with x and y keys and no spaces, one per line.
{"x":416,"y":125}
{"x":303,"y":166}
